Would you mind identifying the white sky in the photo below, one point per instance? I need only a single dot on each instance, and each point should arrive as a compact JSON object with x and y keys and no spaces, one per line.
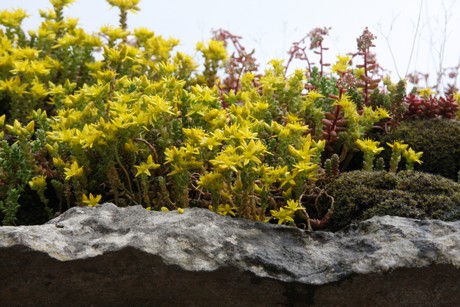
{"x":270,"y":26}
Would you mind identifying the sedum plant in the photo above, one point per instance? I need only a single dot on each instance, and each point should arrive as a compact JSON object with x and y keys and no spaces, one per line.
{"x":122,"y":116}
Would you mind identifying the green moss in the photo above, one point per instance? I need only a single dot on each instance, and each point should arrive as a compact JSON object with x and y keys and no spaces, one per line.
{"x":439,"y":139}
{"x":360,"y":195}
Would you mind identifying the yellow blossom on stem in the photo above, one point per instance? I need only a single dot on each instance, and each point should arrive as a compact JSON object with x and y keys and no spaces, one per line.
{"x":194,"y":135}
{"x":145,"y":167}
{"x":12,"y":18}
{"x":211,"y":181}
{"x":91,"y":201}
{"x":370,"y":148}
{"x":61,"y":3}
{"x":73,"y":171}
{"x":341,"y":65}
{"x":13,"y":85}
{"x":313,"y":95}
{"x":368,"y":145}
{"x":58,"y":162}
{"x":251,"y":151}
{"x":38,"y":183}
{"x":215,"y":50}
{"x":215,"y":140}
{"x":226,"y":210}
{"x":18,"y":130}
{"x":128,"y":5}
{"x":398,"y":148}
{"x":358,"y":72}
{"x":457,"y":96}
{"x":426,"y":92}
{"x":283,"y":215}
{"x":227,"y":159}
{"x":293,"y":205}
{"x":411,"y":156}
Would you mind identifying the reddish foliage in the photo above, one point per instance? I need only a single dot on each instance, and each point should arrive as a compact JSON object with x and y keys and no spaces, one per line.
{"x":431,"y":107}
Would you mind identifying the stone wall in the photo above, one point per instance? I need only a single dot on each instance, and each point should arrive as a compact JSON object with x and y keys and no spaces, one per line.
{"x":132,"y":257}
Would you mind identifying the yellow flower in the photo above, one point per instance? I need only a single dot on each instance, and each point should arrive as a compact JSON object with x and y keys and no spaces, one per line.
{"x":125,"y":5}
{"x":358,"y":72}
{"x":180,"y":210}
{"x":426,"y":92}
{"x":61,"y":3}
{"x":382,"y":113}
{"x":295,"y":124}
{"x":227,"y":159}
{"x":13,"y":85}
{"x":12,"y":18}
{"x":215,"y":140}
{"x":194,"y":135}
{"x":251,"y":151}
{"x":457,"y":96}
{"x":157,"y":107}
{"x":91,"y":201}
{"x":310,"y":148}
{"x":227,"y":209}
{"x":239,"y":132}
{"x":58,"y":162}
{"x":368,"y":145}
{"x":305,"y":166}
{"x":293,"y":205}
{"x":280,"y":130}
{"x":215,"y":50}
{"x":144,"y":168}
{"x":411,"y":156}
{"x":283,"y":216}
{"x":341,"y":65}
{"x":38,"y":183}
{"x":73,"y":171}
{"x":313,"y":95}
{"x":17,"y":129}
{"x":211,"y":181}
{"x":398,"y":146}
{"x":89,"y":135}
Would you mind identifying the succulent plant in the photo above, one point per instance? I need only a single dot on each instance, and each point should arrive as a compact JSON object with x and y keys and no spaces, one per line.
{"x":431,"y":107}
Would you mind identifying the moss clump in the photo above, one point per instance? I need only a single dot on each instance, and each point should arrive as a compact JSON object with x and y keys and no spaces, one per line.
{"x":439,"y":139}
{"x":359,"y":195}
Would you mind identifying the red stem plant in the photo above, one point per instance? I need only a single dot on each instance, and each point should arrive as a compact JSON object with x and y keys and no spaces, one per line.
{"x":369,"y":66}
{"x":240,"y":61}
{"x":333,"y":123}
{"x":298,"y":49}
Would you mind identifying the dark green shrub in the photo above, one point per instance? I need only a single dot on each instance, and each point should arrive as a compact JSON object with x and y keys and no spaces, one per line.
{"x":360,"y":195}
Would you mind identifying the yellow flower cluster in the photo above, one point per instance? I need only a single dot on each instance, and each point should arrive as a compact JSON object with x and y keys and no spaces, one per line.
{"x":142,"y":125}
{"x":285,"y":214}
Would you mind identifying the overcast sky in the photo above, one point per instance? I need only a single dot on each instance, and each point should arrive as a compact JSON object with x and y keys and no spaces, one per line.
{"x":270,"y":26}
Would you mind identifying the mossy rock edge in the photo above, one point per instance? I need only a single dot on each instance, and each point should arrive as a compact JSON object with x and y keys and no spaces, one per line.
{"x":359,"y":195}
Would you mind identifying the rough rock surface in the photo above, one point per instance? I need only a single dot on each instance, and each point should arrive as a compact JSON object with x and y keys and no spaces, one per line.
{"x":129,"y":256}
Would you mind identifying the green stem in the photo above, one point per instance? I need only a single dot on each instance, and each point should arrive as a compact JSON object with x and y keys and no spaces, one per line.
{"x":395,"y":159}
{"x":124,"y":171}
{"x":368,"y":161}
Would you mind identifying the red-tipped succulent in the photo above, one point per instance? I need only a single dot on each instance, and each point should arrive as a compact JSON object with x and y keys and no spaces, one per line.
{"x":431,"y":107}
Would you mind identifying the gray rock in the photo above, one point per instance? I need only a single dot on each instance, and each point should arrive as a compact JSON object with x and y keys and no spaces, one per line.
{"x":129,"y":256}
